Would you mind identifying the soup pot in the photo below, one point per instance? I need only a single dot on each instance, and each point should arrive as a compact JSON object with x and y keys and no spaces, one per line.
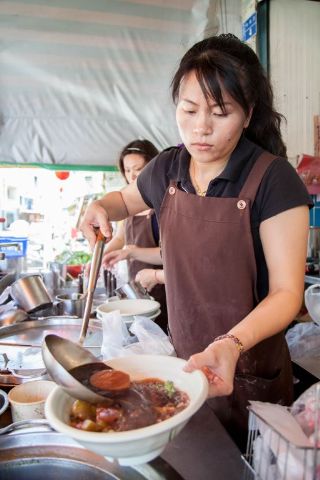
{"x":71,"y":304}
{"x":30,"y":293}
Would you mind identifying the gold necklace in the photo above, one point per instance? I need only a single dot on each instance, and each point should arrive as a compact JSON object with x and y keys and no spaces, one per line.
{"x":201,"y":193}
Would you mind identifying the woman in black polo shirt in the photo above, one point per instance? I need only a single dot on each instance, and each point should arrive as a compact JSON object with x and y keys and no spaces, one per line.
{"x":234,"y":225}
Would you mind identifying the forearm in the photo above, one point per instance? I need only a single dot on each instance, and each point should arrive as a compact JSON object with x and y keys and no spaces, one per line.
{"x":147,"y":255}
{"x":284,"y":241}
{"x":270,"y":316}
{"x":114,"y":205}
{"x":115,"y":243}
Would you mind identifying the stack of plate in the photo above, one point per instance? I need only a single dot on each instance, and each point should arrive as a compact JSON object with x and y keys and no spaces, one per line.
{"x":130,"y":308}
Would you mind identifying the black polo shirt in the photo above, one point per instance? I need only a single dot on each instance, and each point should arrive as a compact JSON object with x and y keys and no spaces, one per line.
{"x":281,"y":188}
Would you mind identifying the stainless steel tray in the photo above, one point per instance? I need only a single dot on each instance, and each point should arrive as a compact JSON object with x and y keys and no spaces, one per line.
{"x":33,"y":332}
{"x":25,"y":339}
{"x":50,"y":455}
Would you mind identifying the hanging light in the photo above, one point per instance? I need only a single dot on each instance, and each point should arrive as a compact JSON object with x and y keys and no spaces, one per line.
{"x":62,"y":174}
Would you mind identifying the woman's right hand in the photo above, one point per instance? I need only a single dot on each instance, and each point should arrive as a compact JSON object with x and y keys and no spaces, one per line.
{"x":95,"y":216}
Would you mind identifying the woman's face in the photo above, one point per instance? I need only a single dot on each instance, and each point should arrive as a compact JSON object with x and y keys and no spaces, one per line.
{"x":208,"y":134}
{"x":133,"y":163}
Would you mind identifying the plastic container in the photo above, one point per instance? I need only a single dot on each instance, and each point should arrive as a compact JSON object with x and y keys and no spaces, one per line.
{"x":13,"y":246}
{"x":312,"y":301}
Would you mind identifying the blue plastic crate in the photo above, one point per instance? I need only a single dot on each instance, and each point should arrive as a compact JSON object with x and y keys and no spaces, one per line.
{"x":10,"y":249}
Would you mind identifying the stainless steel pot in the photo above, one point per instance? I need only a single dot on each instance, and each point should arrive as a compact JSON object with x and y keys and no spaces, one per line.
{"x":313,"y":244}
{"x":30,"y":293}
{"x":71,"y":304}
{"x":34,"y":453}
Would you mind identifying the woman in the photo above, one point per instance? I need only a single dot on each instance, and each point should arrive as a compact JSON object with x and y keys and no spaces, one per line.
{"x":137,"y":239}
{"x":234,"y":227}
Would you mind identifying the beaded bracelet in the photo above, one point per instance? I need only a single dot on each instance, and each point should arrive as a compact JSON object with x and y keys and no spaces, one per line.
{"x":234,"y":339}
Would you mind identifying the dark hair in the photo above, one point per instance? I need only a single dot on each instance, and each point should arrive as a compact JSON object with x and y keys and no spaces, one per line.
{"x":142,"y":147}
{"x":226,"y":62}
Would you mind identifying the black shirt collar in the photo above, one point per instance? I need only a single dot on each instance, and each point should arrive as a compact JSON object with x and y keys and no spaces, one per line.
{"x":179,"y":170}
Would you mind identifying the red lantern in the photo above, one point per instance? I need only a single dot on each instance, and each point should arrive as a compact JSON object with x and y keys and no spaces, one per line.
{"x":62,"y":175}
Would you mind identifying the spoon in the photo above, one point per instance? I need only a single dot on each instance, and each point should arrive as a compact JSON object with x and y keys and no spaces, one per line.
{"x":70,"y":365}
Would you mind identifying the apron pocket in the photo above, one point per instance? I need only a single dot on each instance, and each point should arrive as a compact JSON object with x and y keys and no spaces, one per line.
{"x":278,"y":389}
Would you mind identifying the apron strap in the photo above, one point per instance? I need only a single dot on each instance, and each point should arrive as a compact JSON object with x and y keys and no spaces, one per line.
{"x":250,"y":188}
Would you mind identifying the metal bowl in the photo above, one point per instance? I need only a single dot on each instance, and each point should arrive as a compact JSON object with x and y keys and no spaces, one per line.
{"x":132,"y":290}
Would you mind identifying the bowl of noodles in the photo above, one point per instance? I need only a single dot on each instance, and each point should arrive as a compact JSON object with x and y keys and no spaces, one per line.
{"x":112,"y":429}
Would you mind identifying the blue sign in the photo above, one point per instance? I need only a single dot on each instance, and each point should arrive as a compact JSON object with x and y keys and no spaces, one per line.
{"x":249,"y":27}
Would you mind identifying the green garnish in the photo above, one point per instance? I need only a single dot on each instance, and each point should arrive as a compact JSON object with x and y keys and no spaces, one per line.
{"x":169,"y":388}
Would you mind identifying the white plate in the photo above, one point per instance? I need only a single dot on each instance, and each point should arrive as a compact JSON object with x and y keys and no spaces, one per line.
{"x":128,"y":319}
{"x":130,"y":307}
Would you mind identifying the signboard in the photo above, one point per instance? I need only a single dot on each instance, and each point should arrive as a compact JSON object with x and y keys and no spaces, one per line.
{"x":249,"y":27}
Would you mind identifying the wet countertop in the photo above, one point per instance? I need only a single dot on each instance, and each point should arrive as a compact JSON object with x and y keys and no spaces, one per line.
{"x":203,"y":450}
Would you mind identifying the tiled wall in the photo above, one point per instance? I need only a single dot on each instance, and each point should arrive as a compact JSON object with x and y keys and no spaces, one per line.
{"x":315,"y":212}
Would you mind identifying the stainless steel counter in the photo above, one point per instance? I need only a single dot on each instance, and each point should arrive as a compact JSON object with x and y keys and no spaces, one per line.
{"x":311,"y":279}
{"x":202,"y":451}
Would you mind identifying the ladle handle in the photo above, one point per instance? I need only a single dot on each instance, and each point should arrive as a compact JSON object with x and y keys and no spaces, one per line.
{"x":93,"y":276}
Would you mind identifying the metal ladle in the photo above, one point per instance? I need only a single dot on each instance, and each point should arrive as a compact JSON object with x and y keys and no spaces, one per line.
{"x":60,"y":356}
{"x":93,"y":276}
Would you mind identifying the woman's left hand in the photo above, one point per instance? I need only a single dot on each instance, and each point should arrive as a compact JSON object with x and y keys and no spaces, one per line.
{"x":218,"y":362}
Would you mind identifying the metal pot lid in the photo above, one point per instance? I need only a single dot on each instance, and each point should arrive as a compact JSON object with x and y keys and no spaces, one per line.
{"x":50,"y":455}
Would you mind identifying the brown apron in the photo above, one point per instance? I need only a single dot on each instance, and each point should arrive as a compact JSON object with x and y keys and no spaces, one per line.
{"x":210,"y":269}
{"x":138,"y":231}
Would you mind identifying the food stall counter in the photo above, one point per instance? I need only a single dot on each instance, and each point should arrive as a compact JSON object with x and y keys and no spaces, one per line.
{"x":203,"y":451}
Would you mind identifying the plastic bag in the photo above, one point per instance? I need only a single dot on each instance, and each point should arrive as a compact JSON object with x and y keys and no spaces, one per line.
{"x":306,"y":410}
{"x":151,"y":338}
{"x":303,"y":339}
{"x":146,"y":337}
{"x":114,"y":335}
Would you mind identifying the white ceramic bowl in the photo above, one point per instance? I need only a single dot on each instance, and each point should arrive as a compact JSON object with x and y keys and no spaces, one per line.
{"x":130,"y":308}
{"x":141,"y":445}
